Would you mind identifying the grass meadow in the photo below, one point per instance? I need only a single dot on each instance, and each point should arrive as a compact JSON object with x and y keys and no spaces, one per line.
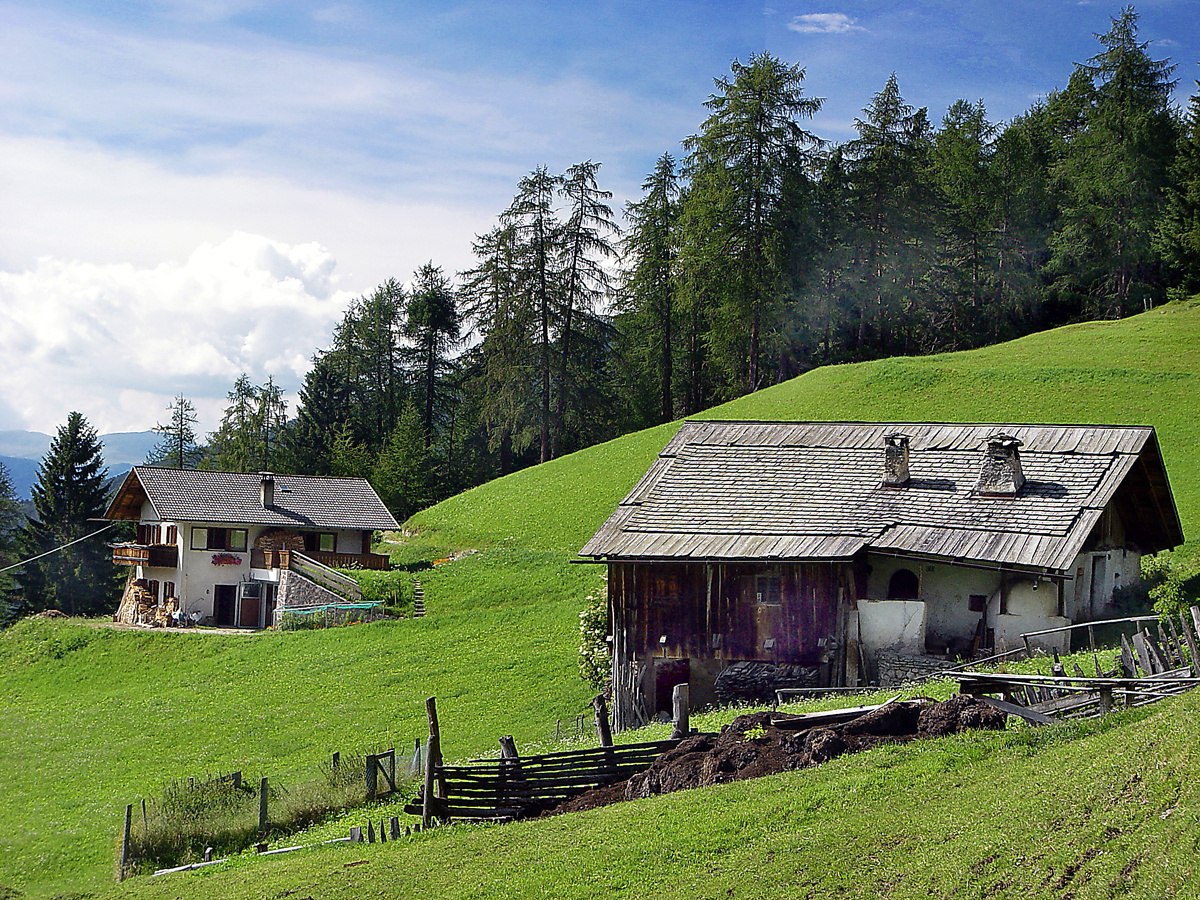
{"x":92,"y":719}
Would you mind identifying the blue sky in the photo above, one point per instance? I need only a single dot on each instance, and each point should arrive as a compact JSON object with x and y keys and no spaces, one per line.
{"x":196,"y":188}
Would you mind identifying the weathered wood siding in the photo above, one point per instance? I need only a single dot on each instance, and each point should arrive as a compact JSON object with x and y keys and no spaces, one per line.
{"x":711,"y":614}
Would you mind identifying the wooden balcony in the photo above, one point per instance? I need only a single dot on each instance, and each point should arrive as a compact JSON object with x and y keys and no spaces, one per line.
{"x":281,"y":559}
{"x":158,"y":556}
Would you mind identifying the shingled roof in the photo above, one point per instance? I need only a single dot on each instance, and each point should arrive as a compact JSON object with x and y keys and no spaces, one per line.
{"x":300,"y":501}
{"x":813,"y":491}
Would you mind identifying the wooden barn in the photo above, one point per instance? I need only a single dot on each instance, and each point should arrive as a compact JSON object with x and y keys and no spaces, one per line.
{"x":754,"y":555}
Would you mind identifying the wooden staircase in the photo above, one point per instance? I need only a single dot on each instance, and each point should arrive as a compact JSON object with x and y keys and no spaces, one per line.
{"x":418,"y":600}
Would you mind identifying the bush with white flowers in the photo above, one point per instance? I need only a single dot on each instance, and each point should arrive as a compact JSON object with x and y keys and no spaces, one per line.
{"x":595,"y":662}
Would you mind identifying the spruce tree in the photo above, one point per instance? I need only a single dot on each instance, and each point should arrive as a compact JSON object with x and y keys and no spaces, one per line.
{"x":69,"y":495}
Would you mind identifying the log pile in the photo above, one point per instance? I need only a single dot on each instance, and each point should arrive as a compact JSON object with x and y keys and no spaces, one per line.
{"x":140,"y":607}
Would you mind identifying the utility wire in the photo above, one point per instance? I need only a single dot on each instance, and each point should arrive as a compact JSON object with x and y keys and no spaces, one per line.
{"x":56,"y":549}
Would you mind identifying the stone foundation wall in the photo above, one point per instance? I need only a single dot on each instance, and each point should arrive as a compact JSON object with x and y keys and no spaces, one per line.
{"x":296,"y":590}
{"x":898,"y":668}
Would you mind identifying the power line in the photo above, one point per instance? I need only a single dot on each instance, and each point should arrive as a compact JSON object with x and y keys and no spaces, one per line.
{"x":56,"y":549}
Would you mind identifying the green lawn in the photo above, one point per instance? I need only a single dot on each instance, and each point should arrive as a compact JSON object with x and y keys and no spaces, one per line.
{"x":93,"y":719}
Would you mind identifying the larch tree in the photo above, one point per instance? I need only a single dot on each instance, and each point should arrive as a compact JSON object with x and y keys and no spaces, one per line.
{"x":739,"y":162}
{"x":1115,"y":171}
{"x":177,"y":439}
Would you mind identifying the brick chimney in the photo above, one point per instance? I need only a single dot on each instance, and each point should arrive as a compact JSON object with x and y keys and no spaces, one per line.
{"x":895,"y":460}
{"x":1001,"y":475}
{"x":267,"y":490}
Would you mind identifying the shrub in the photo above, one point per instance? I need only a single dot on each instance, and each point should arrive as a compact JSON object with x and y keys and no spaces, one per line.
{"x":595,"y":660}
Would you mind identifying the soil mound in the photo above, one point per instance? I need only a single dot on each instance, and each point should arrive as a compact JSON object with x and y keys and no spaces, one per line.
{"x":751,"y":746}
{"x":51,"y":614}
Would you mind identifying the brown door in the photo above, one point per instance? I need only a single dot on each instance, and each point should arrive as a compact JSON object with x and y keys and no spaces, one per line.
{"x":249,"y":614}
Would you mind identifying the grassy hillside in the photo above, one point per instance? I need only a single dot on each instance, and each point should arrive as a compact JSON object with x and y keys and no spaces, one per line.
{"x":1106,"y":810}
{"x":94,"y":719}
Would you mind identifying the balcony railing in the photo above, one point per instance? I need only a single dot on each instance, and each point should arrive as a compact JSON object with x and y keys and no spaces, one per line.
{"x":158,"y":556}
{"x":281,"y":559}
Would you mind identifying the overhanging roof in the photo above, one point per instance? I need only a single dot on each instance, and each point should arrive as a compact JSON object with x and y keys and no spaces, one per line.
{"x":301,"y":501}
{"x":812,"y":490}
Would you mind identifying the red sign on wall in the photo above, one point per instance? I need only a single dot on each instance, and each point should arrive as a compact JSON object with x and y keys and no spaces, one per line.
{"x":226,"y":559}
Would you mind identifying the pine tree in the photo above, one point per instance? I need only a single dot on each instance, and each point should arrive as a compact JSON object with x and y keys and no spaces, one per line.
{"x":322,"y":411}
{"x":400,"y":475}
{"x":1178,"y":237}
{"x":71,"y":490}
{"x":12,"y":519}
{"x":432,"y":324}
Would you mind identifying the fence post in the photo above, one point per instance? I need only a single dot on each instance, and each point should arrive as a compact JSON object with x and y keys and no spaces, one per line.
{"x":145,"y":821}
{"x":679,"y":707}
{"x":433,"y":759}
{"x":602,"y":729}
{"x":125,"y":842}
{"x":337,"y":758}
{"x":262,"y":808}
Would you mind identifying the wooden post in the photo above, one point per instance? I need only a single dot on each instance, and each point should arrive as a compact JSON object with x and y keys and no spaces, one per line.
{"x":383,"y":831}
{"x":679,"y":707}
{"x":262,"y":807}
{"x":602,"y":729}
{"x":433,"y":760}
{"x":125,"y":842}
{"x":1028,"y":649}
{"x":208,"y":852}
{"x":508,"y":748}
{"x":370,"y":831}
{"x":1092,"y":639}
{"x":394,"y":825}
{"x":337,"y":758}
{"x":145,"y":820}
{"x":237,"y":780}
{"x":372,"y":776}
{"x":1190,"y":638}
{"x":1106,"y":699}
{"x":355,"y":834}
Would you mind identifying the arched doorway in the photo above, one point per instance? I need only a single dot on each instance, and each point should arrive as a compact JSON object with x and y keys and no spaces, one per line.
{"x":904,"y":585}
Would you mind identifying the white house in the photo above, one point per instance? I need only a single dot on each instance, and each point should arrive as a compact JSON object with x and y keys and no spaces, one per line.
{"x":223,"y":548}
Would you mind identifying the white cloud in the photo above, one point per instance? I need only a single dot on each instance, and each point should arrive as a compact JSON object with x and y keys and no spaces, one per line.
{"x":117,"y":341}
{"x":824,"y":23}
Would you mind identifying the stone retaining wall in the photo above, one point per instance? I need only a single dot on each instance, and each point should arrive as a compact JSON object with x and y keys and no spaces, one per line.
{"x":899,"y":668}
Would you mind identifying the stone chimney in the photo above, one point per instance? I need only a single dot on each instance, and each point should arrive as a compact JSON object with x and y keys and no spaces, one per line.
{"x":1001,"y":474}
{"x":267,"y":490}
{"x":895,"y":460}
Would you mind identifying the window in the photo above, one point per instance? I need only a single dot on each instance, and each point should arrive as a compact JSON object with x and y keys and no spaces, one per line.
{"x":152,"y":589}
{"x":172,"y":535}
{"x":978,"y":602}
{"x":904,"y":585}
{"x":327,"y":543}
{"x":768,"y":590}
{"x":168,"y":590}
{"x":219,"y":539}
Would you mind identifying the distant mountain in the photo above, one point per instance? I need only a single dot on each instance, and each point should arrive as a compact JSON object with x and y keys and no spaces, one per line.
{"x":21,"y":451}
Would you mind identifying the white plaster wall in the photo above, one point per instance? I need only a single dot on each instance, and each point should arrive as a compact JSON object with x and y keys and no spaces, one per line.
{"x":945,"y":590}
{"x":892,"y":625}
{"x":1032,"y":606}
{"x":1121,"y":567}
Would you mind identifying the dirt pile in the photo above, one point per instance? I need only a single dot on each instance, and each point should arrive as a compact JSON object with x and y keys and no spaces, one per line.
{"x":755,"y":745}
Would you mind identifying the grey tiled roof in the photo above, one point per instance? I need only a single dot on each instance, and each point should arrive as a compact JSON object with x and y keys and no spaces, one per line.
{"x":740,"y":490}
{"x":189,"y":495}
